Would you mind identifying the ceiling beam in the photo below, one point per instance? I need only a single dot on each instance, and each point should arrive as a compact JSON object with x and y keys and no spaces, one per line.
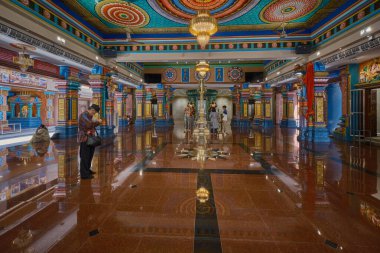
{"x":194,"y":56}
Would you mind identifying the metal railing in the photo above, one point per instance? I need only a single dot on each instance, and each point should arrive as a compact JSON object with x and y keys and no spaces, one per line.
{"x":10,"y":128}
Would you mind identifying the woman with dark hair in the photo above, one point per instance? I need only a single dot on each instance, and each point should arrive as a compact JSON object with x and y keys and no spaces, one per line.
{"x":87,"y":128}
{"x":214,"y":121}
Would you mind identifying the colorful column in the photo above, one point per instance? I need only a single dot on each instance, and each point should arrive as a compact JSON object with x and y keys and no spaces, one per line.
{"x":50,"y":121}
{"x":161,"y":106}
{"x":169,"y":105}
{"x":244,"y":120}
{"x":148,"y":107}
{"x":302,"y":109}
{"x":235,"y":106}
{"x":267,"y":101}
{"x":68,"y":88}
{"x":100,"y":96}
{"x":288,"y":120}
{"x":122,"y":102}
{"x":342,"y":132}
{"x":3,"y":104}
{"x":140,"y":106}
{"x":317,"y":125}
{"x":258,"y":108}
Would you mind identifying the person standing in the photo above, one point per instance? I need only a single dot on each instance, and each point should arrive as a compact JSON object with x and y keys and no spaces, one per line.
{"x":87,"y":128}
{"x":187,"y":117}
{"x":224,"y":119}
{"x":214,"y":121}
{"x":192,"y":116}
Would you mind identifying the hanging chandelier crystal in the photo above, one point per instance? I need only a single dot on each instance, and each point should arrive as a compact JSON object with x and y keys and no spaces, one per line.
{"x":203,"y":26}
{"x":23,"y":61}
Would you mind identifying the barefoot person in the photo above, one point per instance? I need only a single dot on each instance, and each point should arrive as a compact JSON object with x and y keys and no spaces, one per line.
{"x":87,"y":128}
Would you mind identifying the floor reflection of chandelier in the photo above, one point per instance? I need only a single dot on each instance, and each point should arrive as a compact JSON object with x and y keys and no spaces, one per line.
{"x":202,"y":195}
{"x":203,"y":26}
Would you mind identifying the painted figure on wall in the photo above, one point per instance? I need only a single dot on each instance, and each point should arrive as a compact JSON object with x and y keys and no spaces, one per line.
{"x":370,"y":71}
{"x":219,"y":75}
{"x":185,"y":75}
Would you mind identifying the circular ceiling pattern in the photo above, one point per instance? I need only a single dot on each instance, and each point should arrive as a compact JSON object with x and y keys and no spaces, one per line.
{"x":288,"y":10}
{"x":122,"y":13}
{"x":182,"y":11}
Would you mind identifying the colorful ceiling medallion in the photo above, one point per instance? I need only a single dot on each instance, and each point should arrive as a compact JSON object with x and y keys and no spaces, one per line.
{"x":235,"y":74}
{"x":288,"y":10}
{"x":182,"y":11}
{"x":122,"y":13}
{"x":170,"y":75}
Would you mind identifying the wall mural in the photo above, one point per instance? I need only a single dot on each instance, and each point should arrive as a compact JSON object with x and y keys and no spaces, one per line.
{"x":170,"y":75}
{"x":235,"y":74}
{"x":370,"y":71}
{"x":24,"y":79}
{"x":219,"y":74}
{"x":185,"y":75}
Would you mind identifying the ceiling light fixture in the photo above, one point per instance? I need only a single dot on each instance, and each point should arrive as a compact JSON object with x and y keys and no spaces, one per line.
{"x":23,"y":60}
{"x":203,"y":26}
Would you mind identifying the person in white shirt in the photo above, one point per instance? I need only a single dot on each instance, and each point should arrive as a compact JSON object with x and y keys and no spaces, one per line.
{"x":225,"y":119}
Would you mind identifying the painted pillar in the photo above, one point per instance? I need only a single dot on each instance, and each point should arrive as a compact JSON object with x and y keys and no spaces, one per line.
{"x":68,"y":88}
{"x":123,"y":108}
{"x":235,"y":106}
{"x":140,"y":106}
{"x":100,"y":96}
{"x":288,"y":120}
{"x":50,"y":121}
{"x":244,"y":120}
{"x":341,"y":132}
{"x":110,"y":107}
{"x":169,"y":104}
{"x":148,"y":107}
{"x":302,"y":109}
{"x":30,"y":110}
{"x":317,"y":125}
{"x":161,"y":106}
{"x":267,"y":103}
{"x":4,"y":105}
{"x":258,"y":108}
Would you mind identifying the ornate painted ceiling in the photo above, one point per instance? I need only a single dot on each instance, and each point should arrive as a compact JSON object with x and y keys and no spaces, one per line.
{"x":172,"y":16}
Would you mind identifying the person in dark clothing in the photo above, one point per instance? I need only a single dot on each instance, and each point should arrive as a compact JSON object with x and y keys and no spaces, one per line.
{"x":87,"y":128}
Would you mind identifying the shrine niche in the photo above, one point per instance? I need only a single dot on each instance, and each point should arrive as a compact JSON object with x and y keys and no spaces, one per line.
{"x":26,"y":110}
{"x":370,"y":71}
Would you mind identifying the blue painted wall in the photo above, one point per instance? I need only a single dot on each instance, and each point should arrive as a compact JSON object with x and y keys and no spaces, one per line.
{"x":334,"y":106}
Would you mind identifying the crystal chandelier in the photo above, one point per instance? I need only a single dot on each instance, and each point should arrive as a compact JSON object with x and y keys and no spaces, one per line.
{"x":23,"y":61}
{"x":203,"y":26}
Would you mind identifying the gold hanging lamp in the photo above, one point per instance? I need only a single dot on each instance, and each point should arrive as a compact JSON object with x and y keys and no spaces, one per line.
{"x":203,"y":26}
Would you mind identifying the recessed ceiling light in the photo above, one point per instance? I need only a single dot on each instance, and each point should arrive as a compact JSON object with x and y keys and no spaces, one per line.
{"x":318,"y":53}
{"x":266,"y":78}
{"x":278,"y":72}
{"x":130,"y":75}
{"x":97,"y":57}
{"x":369,"y":29}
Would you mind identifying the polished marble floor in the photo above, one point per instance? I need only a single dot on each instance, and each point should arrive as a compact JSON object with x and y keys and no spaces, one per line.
{"x":266,"y":193}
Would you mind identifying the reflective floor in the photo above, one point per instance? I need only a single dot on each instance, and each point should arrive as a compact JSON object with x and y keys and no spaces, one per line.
{"x":266,"y":193}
